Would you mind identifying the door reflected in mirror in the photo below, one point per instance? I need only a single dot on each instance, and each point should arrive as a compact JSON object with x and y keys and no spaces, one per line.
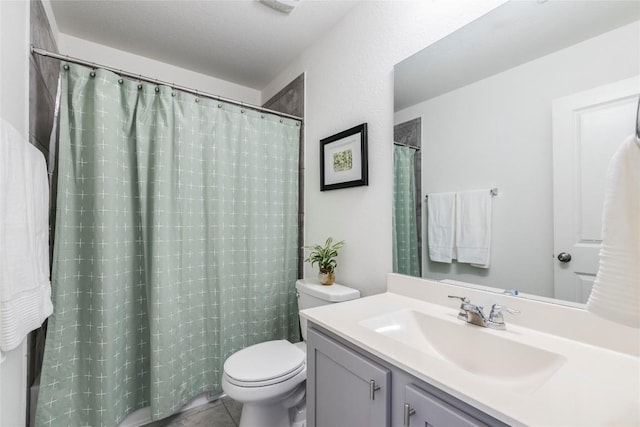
{"x":532,"y":98}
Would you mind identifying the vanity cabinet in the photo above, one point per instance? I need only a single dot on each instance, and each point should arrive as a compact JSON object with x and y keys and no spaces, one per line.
{"x":346,"y":386}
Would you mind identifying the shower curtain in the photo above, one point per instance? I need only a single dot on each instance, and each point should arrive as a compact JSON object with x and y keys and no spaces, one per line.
{"x":405,"y":226}
{"x":175,"y":246}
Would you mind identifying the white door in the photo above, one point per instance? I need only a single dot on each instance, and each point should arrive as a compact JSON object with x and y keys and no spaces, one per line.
{"x":588,"y":127}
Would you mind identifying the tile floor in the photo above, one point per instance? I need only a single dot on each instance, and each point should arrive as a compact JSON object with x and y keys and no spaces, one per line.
{"x":224,"y":412}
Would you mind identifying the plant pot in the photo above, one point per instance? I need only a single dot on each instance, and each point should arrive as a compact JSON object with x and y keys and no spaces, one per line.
{"x":326,"y":277}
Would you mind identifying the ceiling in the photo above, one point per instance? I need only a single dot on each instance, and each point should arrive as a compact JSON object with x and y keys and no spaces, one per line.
{"x":240,"y":41}
{"x":510,"y":35}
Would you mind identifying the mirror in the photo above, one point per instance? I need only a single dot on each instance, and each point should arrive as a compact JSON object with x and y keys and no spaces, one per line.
{"x":499,"y":104}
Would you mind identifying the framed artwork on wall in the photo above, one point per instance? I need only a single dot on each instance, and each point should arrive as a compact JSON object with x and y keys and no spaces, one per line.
{"x":343,"y":159}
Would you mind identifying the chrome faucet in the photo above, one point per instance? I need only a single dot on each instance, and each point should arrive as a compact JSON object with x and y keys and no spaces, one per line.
{"x":474,"y":314}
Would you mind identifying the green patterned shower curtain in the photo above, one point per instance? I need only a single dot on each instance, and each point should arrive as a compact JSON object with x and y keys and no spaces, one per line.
{"x":175,"y":246}
{"x":405,"y":226}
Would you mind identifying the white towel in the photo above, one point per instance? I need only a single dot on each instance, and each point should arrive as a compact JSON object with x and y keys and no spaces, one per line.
{"x":25,"y":291}
{"x":473,"y":227}
{"x":440,"y":226}
{"x":616,"y":290}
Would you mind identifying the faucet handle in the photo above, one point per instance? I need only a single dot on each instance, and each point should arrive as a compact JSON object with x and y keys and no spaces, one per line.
{"x":464,"y":301}
{"x":496,"y":320}
{"x":497,"y":309}
{"x":466,"y":305}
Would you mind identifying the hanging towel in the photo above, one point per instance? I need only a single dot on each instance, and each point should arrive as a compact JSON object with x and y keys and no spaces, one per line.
{"x":616,"y":289}
{"x":25,"y":291}
{"x":473,"y":227}
{"x":440,"y":226}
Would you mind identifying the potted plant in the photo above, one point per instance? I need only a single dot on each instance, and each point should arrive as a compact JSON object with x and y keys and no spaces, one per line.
{"x":325,"y":256}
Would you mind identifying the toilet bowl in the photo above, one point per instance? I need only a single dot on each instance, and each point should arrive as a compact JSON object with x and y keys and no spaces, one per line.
{"x":269,"y":378}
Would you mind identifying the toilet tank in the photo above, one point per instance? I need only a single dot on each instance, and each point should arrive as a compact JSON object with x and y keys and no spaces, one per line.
{"x":313,"y":294}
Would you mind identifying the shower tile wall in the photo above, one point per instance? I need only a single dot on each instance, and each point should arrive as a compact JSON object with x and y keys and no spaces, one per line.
{"x":43,"y":85}
{"x":43,"y":81}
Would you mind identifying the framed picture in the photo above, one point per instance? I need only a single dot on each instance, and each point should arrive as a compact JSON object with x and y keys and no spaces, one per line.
{"x":343,"y":159}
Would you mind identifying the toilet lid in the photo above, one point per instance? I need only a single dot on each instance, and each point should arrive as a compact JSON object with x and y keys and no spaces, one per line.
{"x":264,"y":362}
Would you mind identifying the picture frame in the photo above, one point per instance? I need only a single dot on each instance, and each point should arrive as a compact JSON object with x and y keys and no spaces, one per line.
{"x":343,"y":159}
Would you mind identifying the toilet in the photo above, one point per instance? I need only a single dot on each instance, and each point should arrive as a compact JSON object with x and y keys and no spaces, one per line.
{"x":269,"y":378}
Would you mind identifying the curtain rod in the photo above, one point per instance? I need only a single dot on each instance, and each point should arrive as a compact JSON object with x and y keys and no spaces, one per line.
{"x":406,"y":145}
{"x":139,"y":77}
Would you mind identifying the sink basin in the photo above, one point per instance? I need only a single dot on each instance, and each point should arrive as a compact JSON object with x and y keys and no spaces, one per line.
{"x":472,"y":348}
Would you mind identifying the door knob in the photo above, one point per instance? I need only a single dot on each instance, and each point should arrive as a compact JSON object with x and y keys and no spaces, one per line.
{"x":564,"y":257}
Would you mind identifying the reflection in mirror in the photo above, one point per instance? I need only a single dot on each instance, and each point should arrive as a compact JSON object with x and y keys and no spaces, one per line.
{"x":407,"y":209}
{"x":532,"y":98}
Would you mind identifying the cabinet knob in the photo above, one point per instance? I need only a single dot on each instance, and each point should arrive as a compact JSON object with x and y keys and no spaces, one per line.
{"x":372,"y":389}
{"x":408,"y":411}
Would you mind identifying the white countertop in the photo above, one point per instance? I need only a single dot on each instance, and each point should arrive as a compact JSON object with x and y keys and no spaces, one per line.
{"x":595,"y":386}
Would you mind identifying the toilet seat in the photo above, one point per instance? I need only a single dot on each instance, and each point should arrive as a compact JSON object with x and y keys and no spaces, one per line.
{"x":265,"y":364}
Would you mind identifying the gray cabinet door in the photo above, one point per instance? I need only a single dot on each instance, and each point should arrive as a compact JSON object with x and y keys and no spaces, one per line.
{"x":344,"y":389}
{"x":430,"y":411}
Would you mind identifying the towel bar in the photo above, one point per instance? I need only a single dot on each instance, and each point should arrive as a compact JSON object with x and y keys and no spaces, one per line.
{"x":493,"y":191}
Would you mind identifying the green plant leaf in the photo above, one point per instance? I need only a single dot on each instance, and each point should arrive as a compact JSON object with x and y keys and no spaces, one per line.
{"x":325,"y":255}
